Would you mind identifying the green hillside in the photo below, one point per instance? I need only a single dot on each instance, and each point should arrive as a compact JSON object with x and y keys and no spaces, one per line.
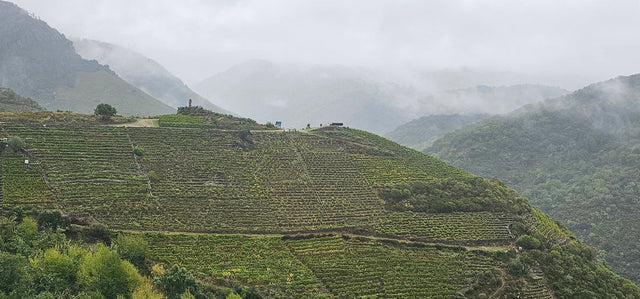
{"x":422,"y":132}
{"x":13,"y":102}
{"x":39,"y":62}
{"x":93,"y":88}
{"x":331,"y":212}
{"x":575,"y":157}
{"x":143,"y":73}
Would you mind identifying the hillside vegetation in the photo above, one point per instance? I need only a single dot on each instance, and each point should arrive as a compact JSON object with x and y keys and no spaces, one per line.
{"x":13,"y":102}
{"x":143,"y":73}
{"x":575,"y":157}
{"x":331,"y":212}
{"x":422,"y":132}
{"x":39,"y":62}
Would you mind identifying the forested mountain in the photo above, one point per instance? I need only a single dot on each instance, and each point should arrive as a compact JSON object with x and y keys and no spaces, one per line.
{"x":214,"y":209}
{"x":576,"y":157}
{"x":422,"y":132}
{"x":13,"y":102}
{"x":143,"y":73}
{"x":37,"y":61}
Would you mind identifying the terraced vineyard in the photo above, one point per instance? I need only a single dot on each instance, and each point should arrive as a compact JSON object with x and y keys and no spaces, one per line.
{"x":329,"y":266}
{"x":208,"y":180}
{"x":294,"y":214}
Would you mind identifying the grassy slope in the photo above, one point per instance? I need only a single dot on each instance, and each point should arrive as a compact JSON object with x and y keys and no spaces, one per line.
{"x":12,"y":102}
{"x":326,"y":183}
{"x":92,"y":88}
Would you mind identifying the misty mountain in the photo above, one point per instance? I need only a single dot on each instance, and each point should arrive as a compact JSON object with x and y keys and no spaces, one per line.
{"x":371,"y":99}
{"x":13,"y":102}
{"x":38,"y":62}
{"x":143,"y":73}
{"x":576,"y":157}
{"x":304,"y":95}
{"x":420,"y":133}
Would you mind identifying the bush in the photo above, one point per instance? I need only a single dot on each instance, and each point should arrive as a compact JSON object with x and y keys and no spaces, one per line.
{"x":103,"y":271}
{"x":52,"y":220}
{"x":15,"y":143}
{"x":176,"y":281}
{"x":138,"y":151}
{"x":516,"y":267}
{"x":13,"y":273}
{"x":133,"y":248}
{"x":245,"y":135}
{"x":528,"y":242}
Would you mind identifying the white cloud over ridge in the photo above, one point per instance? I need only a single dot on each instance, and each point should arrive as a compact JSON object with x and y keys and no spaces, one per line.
{"x":196,"y":38}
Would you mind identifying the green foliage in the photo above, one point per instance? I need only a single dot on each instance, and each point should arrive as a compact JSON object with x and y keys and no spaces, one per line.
{"x":27,"y":230}
{"x":574,"y":272}
{"x":516,"y":267}
{"x":105,"y":111}
{"x":133,"y":248}
{"x":104,"y":271}
{"x":13,"y":274}
{"x":176,"y":281}
{"x":528,"y":242}
{"x":53,"y":271}
{"x":15,"y":143}
{"x":472,"y":194}
{"x":245,"y":135}
{"x":580,"y":169}
{"x":138,"y":151}
{"x":284,"y":183}
{"x":52,"y":220}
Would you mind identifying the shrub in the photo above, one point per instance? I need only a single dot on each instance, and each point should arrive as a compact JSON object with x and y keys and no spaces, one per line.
{"x":52,"y":220}
{"x":133,"y":248}
{"x":15,"y":143}
{"x":176,"y":281}
{"x":528,"y":242}
{"x":138,"y":151}
{"x":516,"y":267}
{"x":104,"y":271}
{"x":245,"y":135}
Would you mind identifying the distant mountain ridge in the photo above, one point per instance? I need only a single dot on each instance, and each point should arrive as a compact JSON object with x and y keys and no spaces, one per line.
{"x":421,"y":133}
{"x":13,"y":102}
{"x":369,"y":99}
{"x":575,"y":157}
{"x":303,"y":95}
{"x":143,"y":72}
{"x":38,"y":62}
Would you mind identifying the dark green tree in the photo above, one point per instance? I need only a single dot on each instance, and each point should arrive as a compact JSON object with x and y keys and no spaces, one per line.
{"x":15,"y":143}
{"x":105,"y":111}
{"x":176,"y":281}
{"x":13,"y":274}
{"x":528,"y":242}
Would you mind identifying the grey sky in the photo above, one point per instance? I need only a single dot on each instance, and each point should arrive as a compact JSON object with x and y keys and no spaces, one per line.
{"x":196,"y":38}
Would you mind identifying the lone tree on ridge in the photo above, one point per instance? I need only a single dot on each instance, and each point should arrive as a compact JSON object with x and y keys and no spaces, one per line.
{"x":105,"y":111}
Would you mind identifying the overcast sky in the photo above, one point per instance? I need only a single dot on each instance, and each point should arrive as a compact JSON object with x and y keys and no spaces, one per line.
{"x":197,"y":38}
